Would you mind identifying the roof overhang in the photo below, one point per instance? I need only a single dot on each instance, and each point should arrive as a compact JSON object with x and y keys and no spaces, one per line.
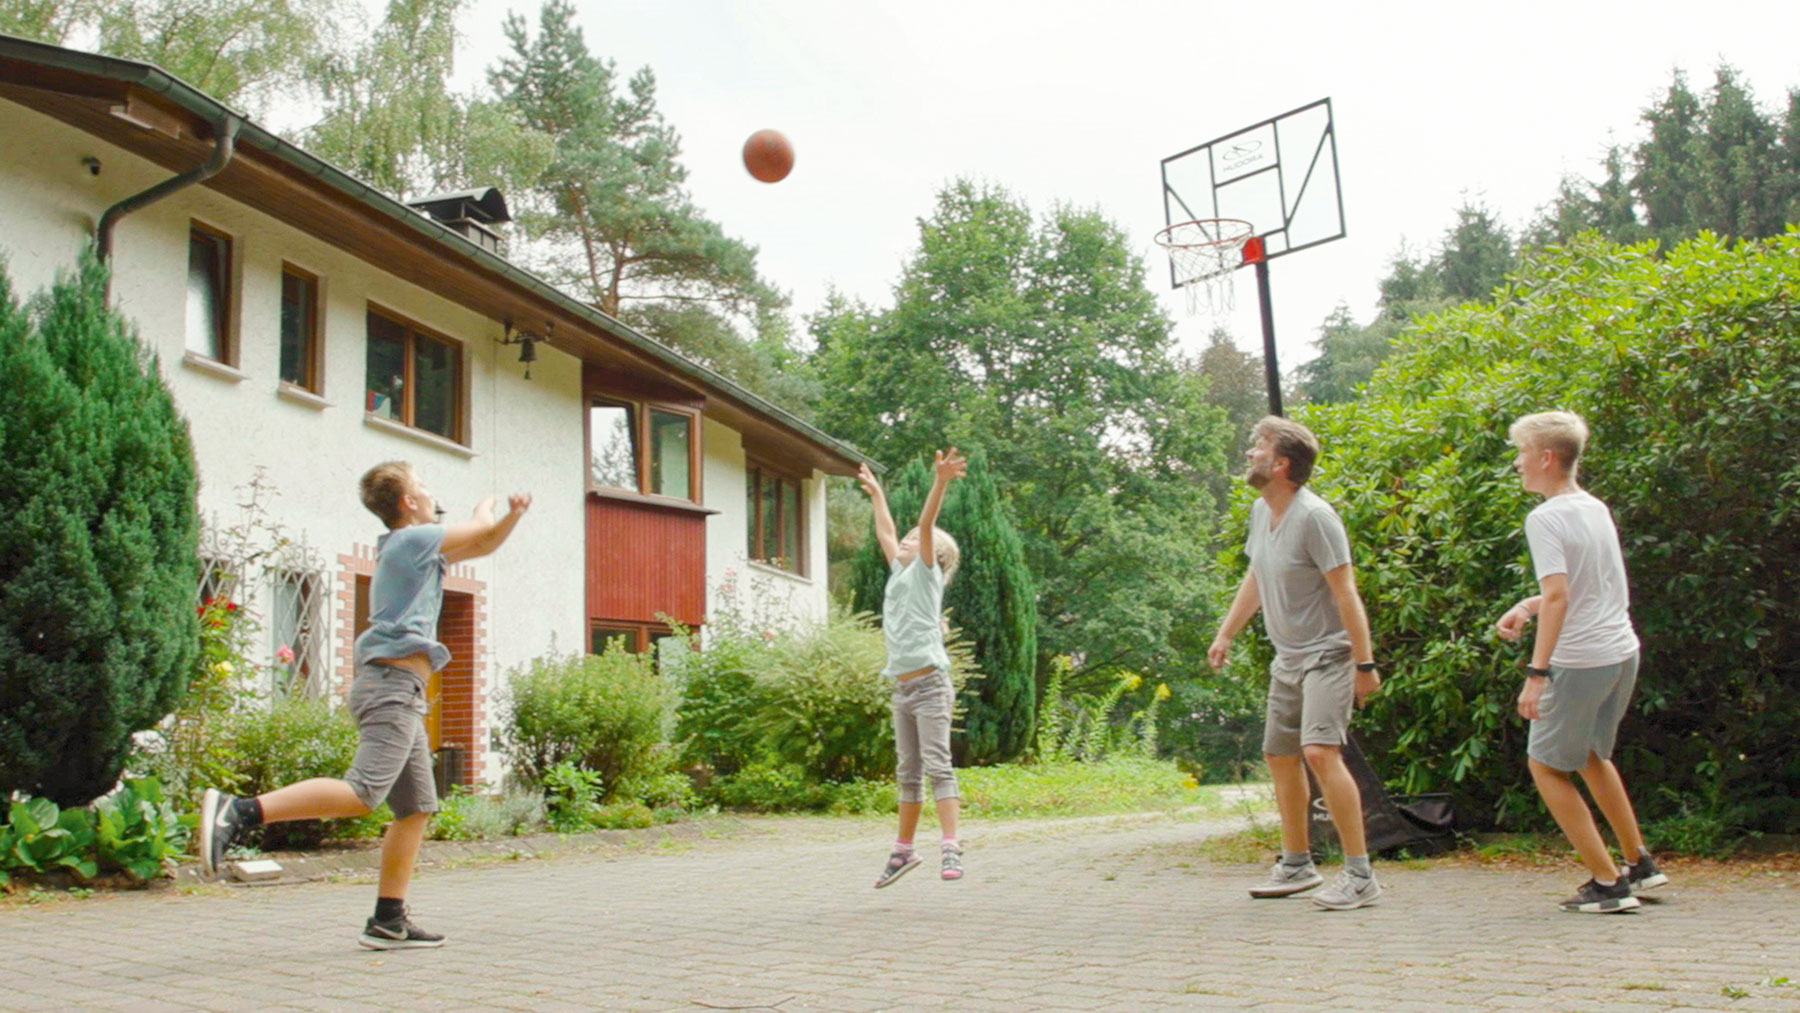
{"x":152,"y":114}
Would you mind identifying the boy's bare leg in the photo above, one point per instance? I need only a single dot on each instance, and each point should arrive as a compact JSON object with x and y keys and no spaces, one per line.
{"x":399,"y":852}
{"x":1608,"y":789}
{"x":1342,"y":798}
{"x":320,"y":798}
{"x":1291,"y":796}
{"x":1565,"y":803}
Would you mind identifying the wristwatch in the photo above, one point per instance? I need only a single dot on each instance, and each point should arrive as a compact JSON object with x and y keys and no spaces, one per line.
{"x":1531,"y":670}
{"x":1366,"y":666}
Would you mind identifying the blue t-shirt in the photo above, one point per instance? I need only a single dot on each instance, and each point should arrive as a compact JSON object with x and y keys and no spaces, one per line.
{"x":405,"y":596}
{"x":912,"y":618}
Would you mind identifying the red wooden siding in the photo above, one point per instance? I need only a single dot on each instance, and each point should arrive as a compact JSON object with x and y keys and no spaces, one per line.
{"x":643,"y":559}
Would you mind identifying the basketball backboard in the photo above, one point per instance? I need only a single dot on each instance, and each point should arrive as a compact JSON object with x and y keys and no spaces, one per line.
{"x":1280,"y":175}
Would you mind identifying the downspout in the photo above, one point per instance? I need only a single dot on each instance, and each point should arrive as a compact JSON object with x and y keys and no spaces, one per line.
{"x":225,"y":131}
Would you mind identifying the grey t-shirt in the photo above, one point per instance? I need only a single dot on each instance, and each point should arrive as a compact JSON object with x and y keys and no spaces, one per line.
{"x":912,"y":618}
{"x":405,"y":596}
{"x":1290,"y":564}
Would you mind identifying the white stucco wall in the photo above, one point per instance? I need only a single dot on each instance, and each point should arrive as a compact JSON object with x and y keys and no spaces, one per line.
{"x":763,"y":595}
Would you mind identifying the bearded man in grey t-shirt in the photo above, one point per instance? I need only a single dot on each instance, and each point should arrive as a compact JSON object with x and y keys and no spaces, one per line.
{"x":1301,"y":579}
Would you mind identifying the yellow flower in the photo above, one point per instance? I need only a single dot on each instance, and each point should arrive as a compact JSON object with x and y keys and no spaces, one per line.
{"x":1191,"y":782}
{"x":1162,"y":691}
{"x":1133,"y":681}
{"x":222,"y":669}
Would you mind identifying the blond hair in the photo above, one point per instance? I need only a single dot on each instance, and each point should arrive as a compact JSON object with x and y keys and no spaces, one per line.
{"x":1564,"y":434}
{"x":1291,"y":440}
{"x":383,"y":486}
{"x":949,"y":554}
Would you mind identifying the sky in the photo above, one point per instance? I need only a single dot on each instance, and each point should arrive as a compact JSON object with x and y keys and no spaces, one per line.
{"x":1078,"y":103}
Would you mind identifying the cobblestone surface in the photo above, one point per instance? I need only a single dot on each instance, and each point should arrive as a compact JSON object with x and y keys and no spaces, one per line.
{"x":1077,"y":915}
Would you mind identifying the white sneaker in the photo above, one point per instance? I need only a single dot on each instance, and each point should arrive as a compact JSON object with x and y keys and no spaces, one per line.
{"x":1285,"y":880}
{"x":1348,"y":891}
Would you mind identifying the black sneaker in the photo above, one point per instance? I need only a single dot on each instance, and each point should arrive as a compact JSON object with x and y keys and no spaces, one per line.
{"x":1643,"y":874}
{"x":1595,"y":899}
{"x":219,"y":826}
{"x":399,"y":934}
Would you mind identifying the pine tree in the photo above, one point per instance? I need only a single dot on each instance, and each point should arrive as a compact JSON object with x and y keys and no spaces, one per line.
{"x":98,"y":553}
{"x":992,"y":600}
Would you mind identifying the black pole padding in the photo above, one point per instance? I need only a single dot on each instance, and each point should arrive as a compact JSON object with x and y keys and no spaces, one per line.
{"x":1271,"y":369}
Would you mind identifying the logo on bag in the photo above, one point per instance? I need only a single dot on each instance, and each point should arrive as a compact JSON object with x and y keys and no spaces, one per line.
{"x":1320,"y":814}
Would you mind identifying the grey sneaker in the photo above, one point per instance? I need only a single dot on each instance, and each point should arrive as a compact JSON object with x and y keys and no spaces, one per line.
{"x":898,"y":864}
{"x":1348,"y":891}
{"x":1643,"y":874}
{"x":1285,"y":880}
{"x":1594,"y":899}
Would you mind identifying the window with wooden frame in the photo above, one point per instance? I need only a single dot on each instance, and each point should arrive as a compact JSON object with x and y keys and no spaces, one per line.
{"x":301,"y":345}
{"x":209,"y":294}
{"x":415,"y":377}
{"x":636,"y":637}
{"x":644,"y":448}
{"x":776,"y":519}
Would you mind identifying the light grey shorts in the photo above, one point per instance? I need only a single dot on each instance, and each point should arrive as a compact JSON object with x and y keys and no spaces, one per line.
{"x":1580,"y":713}
{"x":922,"y":708}
{"x":1310,"y":699}
{"x":393,"y":751}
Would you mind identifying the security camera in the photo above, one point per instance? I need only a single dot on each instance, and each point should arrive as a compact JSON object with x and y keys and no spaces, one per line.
{"x":92,"y":165}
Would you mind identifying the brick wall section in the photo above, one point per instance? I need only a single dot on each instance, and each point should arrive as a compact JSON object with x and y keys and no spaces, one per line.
{"x":462,"y":627}
{"x":359,"y":563}
{"x":466,"y":680}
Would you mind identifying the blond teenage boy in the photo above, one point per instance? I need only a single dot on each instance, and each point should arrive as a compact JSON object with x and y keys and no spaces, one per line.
{"x":1584,"y":660}
{"x":912,"y":622}
{"x":394,"y":658}
{"x":1301,"y":579}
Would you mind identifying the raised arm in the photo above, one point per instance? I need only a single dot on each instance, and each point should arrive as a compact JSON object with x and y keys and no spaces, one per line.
{"x":481,"y":534}
{"x":885,"y":535}
{"x":946,"y":466}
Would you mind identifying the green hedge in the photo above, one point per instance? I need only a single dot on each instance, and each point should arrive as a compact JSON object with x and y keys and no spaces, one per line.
{"x":1688,"y":371}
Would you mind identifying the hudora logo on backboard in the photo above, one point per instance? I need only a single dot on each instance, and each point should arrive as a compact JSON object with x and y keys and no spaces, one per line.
{"x":1241,"y":154}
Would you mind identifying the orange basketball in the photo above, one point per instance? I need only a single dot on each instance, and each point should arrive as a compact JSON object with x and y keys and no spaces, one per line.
{"x":768,"y":156}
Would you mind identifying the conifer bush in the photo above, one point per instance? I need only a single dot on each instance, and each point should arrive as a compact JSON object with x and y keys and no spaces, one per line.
{"x":98,"y":550}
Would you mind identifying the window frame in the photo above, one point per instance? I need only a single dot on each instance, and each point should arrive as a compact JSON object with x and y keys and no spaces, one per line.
{"x":757,"y":473}
{"x":225,"y":313}
{"x":409,"y":381}
{"x":313,"y":352}
{"x":641,"y":409}
{"x":643,"y":635}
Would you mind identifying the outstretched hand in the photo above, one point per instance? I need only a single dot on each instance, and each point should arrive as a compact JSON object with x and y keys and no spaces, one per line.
{"x":865,"y":477}
{"x":949,"y":464}
{"x":519,"y":502}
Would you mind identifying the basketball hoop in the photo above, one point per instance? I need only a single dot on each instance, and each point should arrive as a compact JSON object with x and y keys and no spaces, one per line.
{"x":1204,"y":252}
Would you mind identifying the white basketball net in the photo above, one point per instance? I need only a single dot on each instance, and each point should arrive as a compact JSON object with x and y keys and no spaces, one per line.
{"x":1204,"y":254}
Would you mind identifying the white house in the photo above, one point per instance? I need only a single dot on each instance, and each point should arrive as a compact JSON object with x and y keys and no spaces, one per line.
{"x":311,"y":326}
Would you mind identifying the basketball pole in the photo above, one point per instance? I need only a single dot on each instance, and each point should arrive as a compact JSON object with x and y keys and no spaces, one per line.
{"x":1271,"y":369}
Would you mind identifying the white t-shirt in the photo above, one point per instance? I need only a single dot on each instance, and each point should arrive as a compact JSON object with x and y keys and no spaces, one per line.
{"x":1299,"y":612}
{"x":1573,"y":534}
{"x":912,"y":616}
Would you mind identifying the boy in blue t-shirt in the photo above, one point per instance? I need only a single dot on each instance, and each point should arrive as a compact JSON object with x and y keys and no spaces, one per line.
{"x":912,"y":621}
{"x":394,"y":657}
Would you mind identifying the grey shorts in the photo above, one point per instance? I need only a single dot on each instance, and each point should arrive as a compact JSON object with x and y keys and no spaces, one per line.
{"x":393,"y":750}
{"x":923,"y":706}
{"x":1580,"y":713}
{"x":1310,"y":699}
